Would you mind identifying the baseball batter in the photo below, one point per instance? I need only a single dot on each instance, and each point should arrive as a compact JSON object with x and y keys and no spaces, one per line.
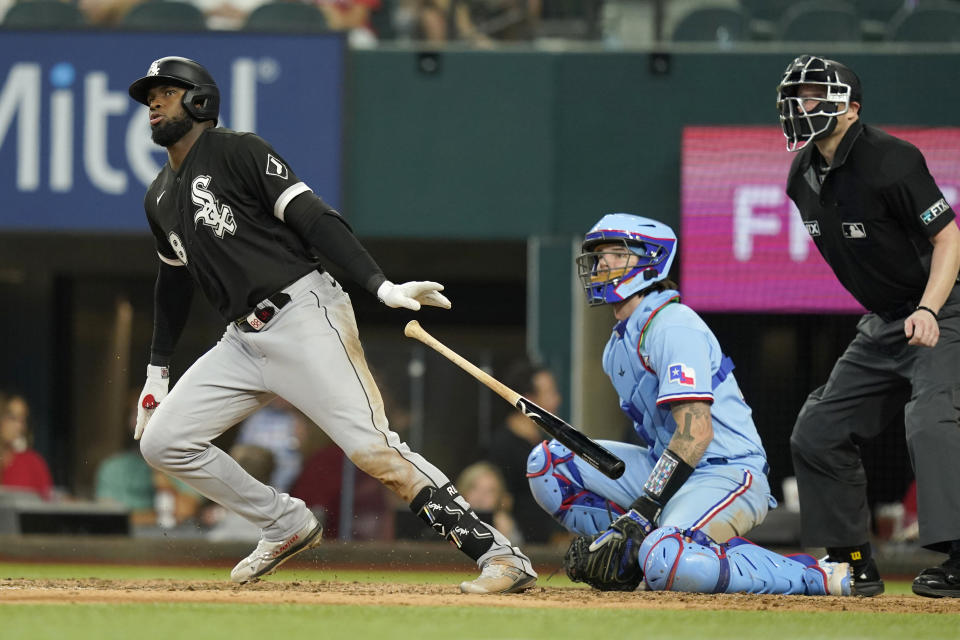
{"x":230,"y":215}
{"x":703,"y":469}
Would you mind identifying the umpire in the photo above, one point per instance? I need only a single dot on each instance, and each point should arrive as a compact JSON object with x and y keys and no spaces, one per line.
{"x":882,"y":224}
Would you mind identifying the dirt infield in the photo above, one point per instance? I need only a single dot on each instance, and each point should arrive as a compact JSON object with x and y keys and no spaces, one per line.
{"x":16,"y":591}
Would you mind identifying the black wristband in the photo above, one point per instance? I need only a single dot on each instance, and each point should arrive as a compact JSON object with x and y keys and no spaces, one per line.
{"x":648,"y":508}
{"x":668,"y":475}
{"x":920,"y":307}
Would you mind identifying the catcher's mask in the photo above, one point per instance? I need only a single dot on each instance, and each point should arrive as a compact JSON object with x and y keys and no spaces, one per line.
{"x":644,"y":255}
{"x":801,"y":121}
{"x":202,"y":98}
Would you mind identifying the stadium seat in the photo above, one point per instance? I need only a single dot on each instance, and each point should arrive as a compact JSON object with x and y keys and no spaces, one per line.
{"x":875,"y":15}
{"x":43,"y":14}
{"x":573,"y":19}
{"x":820,"y":22}
{"x":766,"y":9}
{"x":381,"y":20}
{"x":764,"y":15}
{"x":880,"y":10}
{"x":164,"y":15}
{"x":926,"y":24}
{"x":713,"y":24}
{"x":286,"y":17}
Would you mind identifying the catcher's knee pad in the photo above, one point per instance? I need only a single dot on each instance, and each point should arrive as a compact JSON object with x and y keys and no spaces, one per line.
{"x":672,"y":563}
{"x":439,"y":508}
{"x":557,"y":486}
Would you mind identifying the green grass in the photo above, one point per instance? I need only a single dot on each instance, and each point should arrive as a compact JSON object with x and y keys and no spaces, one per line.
{"x":236,"y":622}
{"x":173,"y":621}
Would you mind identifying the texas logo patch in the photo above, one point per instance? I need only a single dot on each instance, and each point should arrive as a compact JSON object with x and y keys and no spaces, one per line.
{"x":682,"y":374}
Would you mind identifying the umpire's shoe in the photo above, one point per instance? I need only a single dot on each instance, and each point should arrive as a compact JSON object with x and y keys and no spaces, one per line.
{"x":269,"y":555}
{"x":866,"y":580}
{"x":939,"y":582}
{"x":499,"y":575}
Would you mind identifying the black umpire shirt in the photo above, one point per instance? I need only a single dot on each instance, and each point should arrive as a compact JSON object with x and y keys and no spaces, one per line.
{"x":871,"y":215}
{"x":221,"y":215}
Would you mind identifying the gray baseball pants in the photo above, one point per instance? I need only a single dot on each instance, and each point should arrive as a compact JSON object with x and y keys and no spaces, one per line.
{"x":877,"y":375}
{"x":310,"y":354}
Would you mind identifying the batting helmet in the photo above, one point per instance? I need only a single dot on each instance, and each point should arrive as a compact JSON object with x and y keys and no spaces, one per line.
{"x":841,"y":87}
{"x":653,"y":243}
{"x":202,"y":99}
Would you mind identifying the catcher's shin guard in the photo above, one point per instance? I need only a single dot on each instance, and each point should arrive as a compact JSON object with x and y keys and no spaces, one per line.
{"x":558,"y":488}
{"x":672,"y":562}
{"x":460,"y":525}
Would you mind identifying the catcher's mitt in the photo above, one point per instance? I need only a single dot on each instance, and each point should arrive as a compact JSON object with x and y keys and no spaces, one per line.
{"x":608,"y":561}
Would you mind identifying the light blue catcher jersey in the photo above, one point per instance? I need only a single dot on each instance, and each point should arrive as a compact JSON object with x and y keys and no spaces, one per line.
{"x":664,"y":353}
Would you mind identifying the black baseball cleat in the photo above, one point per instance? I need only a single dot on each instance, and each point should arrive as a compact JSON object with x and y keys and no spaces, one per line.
{"x":866,"y":580}
{"x":938,"y":582}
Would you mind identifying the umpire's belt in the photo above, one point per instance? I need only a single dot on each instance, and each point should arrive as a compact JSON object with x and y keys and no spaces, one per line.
{"x":897,"y":313}
{"x":262,"y":313}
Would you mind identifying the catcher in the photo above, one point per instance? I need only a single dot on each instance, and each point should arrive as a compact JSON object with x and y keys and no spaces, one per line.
{"x":703,"y":472}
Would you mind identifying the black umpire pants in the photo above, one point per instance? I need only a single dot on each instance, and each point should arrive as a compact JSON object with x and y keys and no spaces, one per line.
{"x":877,"y":374}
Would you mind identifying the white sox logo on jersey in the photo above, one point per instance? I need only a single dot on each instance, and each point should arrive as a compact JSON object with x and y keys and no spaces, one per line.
{"x":210,"y":212}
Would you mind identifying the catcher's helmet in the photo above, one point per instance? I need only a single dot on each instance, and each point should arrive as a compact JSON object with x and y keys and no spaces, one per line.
{"x":841,"y":87}
{"x":202,"y":99}
{"x":654,"y":244}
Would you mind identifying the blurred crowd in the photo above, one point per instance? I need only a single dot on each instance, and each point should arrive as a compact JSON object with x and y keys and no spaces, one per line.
{"x":476,"y":22}
{"x":486,"y":23}
{"x":21,"y":467}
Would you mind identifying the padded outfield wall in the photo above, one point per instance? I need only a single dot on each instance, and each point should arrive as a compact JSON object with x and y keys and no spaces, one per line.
{"x":518,"y":144}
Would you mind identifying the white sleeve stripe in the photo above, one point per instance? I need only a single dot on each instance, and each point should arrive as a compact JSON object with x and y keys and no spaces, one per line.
{"x":172,"y":263}
{"x":284,"y":199}
{"x":689,"y":394}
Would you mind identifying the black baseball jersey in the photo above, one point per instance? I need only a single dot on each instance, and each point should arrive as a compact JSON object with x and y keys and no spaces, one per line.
{"x":221,"y":215}
{"x":871,"y":215}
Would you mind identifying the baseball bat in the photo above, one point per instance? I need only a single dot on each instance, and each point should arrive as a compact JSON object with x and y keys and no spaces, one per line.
{"x":595,"y":455}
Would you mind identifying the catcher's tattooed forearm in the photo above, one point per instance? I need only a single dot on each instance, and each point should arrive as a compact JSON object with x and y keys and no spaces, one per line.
{"x":694,"y":430}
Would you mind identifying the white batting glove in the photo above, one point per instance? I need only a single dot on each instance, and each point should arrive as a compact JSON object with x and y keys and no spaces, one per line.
{"x":410,"y":295}
{"x":155,"y":390}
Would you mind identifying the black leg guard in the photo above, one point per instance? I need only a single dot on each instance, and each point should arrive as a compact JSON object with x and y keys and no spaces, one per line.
{"x":439,"y":509}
